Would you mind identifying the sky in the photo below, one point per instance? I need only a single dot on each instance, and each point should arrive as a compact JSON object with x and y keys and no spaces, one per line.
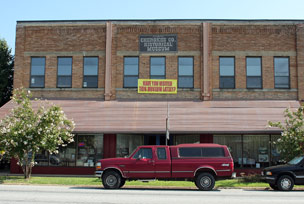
{"x":12,"y":11}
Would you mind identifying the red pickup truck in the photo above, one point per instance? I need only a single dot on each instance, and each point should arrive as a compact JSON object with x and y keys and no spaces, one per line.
{"x":201,"y":163}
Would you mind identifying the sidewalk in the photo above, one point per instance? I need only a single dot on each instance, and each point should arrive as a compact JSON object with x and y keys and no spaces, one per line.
{"x":47,"y":175}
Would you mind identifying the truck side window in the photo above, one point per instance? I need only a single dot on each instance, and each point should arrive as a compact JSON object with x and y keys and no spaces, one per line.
{"x":213,"y":152}
{"x":143,"y":153}
{"x":161,"y":153}
{"x":190,"y":152}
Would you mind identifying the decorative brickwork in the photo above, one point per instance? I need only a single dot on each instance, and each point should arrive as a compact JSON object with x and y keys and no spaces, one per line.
{"x":236,"y":39}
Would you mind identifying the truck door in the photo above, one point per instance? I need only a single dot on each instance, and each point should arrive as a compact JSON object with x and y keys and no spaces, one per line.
{"x":162,"y":163}
{"x":143,"y":164}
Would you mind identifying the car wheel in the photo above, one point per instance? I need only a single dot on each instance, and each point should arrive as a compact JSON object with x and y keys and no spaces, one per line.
{"x":122,"y":183}
{"x":285,"y":183}
{"x":111,"y":180}
{"x":205,"y":181}
{"x":274,"y":187}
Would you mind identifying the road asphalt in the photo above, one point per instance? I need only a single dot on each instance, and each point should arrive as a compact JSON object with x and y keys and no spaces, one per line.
{"x":25,"y":194}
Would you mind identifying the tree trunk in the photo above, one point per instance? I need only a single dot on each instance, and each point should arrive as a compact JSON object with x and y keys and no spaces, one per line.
{"x":26,"y":167}
{"x":28,"y":170}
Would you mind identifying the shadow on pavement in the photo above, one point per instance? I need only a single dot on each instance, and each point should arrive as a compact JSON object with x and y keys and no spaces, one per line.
{"x":140,"y":189}
{"x":271,"y":190}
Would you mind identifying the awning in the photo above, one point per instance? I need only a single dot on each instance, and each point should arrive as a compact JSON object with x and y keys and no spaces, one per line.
{"x":184,"y":116}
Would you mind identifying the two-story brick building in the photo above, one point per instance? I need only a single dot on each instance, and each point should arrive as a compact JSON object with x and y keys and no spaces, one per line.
{"x":232,"y":77}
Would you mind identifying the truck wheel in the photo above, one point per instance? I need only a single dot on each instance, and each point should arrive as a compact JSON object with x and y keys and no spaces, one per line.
{"x":285,"y":183}
{"x":111,"y":180}
{"x":274,"y":187}
{"x":205,"y":181}
{"x":122,"y":183}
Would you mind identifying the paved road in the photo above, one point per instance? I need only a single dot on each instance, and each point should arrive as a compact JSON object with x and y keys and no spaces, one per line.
{"x":58,"y":194}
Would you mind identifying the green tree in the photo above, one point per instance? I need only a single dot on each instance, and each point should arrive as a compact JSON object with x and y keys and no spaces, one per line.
{"x":291,"y":142}
{"x":6,"y":72}
{"x":26,"y":131}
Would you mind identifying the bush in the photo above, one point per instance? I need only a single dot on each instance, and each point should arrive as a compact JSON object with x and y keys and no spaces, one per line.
{"x":251,"y":178}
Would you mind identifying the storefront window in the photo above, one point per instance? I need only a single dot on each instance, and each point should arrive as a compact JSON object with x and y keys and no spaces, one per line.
{"x":65,"y":157}
{"x":125,"y":144}
{"x":186,"y":139}
{"x":234,"y":143}
{"x":275,"y":153}
{"x":42,"y":158}
{"x":256,"y":150}
{"x":90,"y":149}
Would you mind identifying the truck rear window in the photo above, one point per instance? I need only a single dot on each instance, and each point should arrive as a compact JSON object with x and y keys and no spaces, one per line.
{"x":201,"y":152}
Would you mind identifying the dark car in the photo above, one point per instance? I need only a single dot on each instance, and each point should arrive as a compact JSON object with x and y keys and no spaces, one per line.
{"x":284,"y":177}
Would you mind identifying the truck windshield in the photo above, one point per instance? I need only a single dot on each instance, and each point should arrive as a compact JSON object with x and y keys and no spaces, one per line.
{"x":296,"y":160}
{"x":132,"y":152}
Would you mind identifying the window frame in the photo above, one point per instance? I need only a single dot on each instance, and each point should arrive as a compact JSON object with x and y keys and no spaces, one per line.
{"x":226,"y":76}
{"x":124,"y":76}
{"x":37,"y":75}
{"x":261,"y":76}
{"x":89,"y":75}
{"x":185,"y":75}
{"x":164,"y":67}
{"x":65,"y":75}
{"x":274,"y":73}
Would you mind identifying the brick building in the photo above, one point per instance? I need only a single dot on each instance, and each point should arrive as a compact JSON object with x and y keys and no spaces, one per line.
{"x":232,"y":77}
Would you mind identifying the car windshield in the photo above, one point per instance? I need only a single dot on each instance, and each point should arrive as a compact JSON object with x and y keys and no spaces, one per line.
{"x":296,"y":160}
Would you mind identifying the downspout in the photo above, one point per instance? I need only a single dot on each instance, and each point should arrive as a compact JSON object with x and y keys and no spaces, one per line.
{"x":108,"y":71}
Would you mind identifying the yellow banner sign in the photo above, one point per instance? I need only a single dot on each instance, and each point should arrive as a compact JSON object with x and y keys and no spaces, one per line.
{"x":157,"y":86}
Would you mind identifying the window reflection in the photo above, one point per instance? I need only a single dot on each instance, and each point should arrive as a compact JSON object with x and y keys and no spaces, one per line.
{"x":88,"y":150}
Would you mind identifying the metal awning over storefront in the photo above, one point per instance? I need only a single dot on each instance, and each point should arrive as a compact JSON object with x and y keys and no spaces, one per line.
{"x":184,"y":117}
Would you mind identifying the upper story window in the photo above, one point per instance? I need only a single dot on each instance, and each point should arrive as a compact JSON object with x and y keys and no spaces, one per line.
{"x":185,"y":72}
{"x":37,"y":72}
{"x":90,"y":72}
{"x":130,"y":72}
{"x":281,"y":72}
{"x":227,"y":73}
{"x":157,"y":68}
{"x":254,"y":72}
{"x":64,"y":72}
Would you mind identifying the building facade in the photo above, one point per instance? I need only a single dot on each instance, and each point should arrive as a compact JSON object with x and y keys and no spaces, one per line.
{"x":232,"y":77}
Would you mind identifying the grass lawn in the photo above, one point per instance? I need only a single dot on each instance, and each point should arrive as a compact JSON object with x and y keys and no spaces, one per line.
{"x":80,"y":181}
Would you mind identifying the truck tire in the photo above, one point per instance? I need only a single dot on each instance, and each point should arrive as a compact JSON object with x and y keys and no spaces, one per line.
{"x":122,"y":183}
{"x":205,"y":181}
{"x":285,"y":183}
{"x":111,"y":180}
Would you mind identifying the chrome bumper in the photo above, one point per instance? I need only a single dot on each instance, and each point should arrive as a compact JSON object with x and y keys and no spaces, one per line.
{"x":98,"y":174}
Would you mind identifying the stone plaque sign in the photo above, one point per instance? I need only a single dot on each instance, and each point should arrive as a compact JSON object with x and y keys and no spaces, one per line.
{"x":158,"y":43}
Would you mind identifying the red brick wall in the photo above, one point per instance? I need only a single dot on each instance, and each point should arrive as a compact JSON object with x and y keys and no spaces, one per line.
{"x":52,"y":41}
{"x":266,"y":41}
{"x":238,"y":39}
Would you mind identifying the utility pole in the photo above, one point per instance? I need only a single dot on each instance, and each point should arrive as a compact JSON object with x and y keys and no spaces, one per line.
{"x":167,"y":125}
